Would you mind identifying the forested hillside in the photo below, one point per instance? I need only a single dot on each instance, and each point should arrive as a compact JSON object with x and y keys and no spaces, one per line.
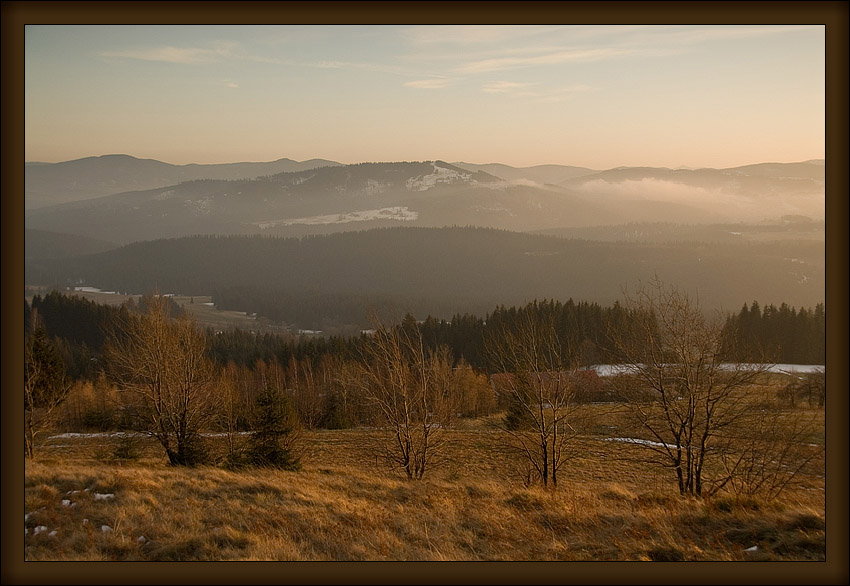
{"x":339,"y":279}
{"x":780,"y":334}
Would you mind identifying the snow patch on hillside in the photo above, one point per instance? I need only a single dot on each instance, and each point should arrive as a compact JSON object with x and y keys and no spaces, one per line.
{"x":199,"y":206}
{"x":402,"y":213}
{"x":440,"y":175}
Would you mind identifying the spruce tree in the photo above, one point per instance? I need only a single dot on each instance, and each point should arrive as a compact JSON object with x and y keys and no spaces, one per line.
{"x":275,"y":426}
{"x":45,"y":386}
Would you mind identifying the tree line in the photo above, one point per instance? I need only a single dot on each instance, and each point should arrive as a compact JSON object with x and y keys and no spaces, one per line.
{"x":79,"y":327}
{"x":703,"y":419}
{"x":781,"y":334}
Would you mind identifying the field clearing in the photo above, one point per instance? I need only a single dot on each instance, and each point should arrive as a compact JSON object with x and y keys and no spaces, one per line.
{"x":608,"y":506}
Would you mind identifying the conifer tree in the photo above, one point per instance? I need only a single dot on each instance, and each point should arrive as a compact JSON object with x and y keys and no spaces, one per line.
{"x":45,"y":386}
{"x":272,"y":443}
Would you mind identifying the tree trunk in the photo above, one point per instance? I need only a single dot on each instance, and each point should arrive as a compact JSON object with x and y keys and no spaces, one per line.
{"x":544,"y":449}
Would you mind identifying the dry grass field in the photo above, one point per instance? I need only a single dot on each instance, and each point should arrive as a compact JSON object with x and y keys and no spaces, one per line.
{"x":84,"y":504}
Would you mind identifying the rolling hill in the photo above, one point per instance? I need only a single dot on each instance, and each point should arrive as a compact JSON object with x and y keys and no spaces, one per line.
{"x":57,"y":183}
{"x":338,"y":198}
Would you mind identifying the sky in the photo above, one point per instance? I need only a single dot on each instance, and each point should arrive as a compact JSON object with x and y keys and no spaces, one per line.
{"x":590,"y":96}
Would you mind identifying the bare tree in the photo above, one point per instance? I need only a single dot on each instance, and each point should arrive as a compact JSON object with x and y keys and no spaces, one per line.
{"x":698,"y":413}
{"x":407,"y":383}
{"x":342,"y":400}
{"x":769,"y":450}
{"x":161,"y":364}
{"x":475,"y":394}
{"x":810,"y":387}
{"x":529,"y":361}
{"x":305,"y":390}
{"x":45,"y":385}
{"x":234,"y":411}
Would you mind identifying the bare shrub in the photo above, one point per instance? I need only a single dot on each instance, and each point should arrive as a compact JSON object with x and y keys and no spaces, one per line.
{"x":410,"y":387}
{"x":539,"y":386}
{"x":701,"y":416}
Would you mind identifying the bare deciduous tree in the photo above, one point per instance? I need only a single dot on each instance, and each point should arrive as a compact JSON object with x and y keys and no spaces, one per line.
{"x":768,"y":450}
{"x":530,"y":365}
{"x":810,"y":387}
{"x":234,"y":411}
{"x":698,"y":412}
{"x":304,"y":388}
{"x":408,"y":385}
{"x":161,"y":364}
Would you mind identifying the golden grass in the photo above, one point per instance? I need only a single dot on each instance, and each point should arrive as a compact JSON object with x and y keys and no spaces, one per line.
{"x":342,"y":506}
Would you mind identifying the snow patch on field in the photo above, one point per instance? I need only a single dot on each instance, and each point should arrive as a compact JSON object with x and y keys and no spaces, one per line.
{"x":92,"y":290}
{"x":77,"y":435}
{"x":402,"y":213}
{"x":122,"y":434}
{"x":633,"y":440}
{"x":615,"y":369}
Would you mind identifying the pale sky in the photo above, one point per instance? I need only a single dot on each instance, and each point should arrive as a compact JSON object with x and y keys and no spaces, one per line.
{"x":592,"y":96}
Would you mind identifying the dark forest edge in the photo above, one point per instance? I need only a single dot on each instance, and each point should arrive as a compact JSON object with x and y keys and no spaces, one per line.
{"x":778,"y":334}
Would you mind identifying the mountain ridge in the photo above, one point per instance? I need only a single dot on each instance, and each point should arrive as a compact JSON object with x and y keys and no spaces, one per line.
{"x":433,"y":193}
{"x":90,"y":177}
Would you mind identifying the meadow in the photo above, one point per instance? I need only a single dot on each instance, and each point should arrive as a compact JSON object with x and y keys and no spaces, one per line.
{"x":113,"y":497}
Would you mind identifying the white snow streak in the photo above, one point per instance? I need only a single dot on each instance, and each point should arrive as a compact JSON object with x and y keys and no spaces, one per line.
{"x":615,"y":369}
{"x":402,"y":213}
{"x":632,"y":440}
{"x":440,"y":175}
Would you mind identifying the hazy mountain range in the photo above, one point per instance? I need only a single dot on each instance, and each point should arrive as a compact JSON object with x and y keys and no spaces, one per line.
{"x":90,"y":177}
{"x":122,"y":199}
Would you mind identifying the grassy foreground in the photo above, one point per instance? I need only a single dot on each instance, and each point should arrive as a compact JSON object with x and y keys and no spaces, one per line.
{"x":342,"y":507}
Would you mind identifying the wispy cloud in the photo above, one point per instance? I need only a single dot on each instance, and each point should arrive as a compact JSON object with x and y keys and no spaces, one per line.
{"x":473,"y":34}
{"x":689,"y":35}
{"x":485,"y":49}
{"x":432,"y":82}
{"x":261,"y":59}
{"x":216,"y":52}
{"x":428,"y":84}
{"x":184,"y":55}
{"x":378,"y":67}
{"x":230,"y":84}
{"x":536,"y":91}
{"x":552,"y":58}
{"x":503,"y":87}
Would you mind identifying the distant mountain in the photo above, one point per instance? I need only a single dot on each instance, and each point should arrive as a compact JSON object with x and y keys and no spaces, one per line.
{"x":439,"y":271}
{"x":338,"y":198}
{"x":747,"y":193}
{"x":540,"y":174}
{"x":321,"y":200}
{"x":39,"y":244}
{"x":56,"y":183}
